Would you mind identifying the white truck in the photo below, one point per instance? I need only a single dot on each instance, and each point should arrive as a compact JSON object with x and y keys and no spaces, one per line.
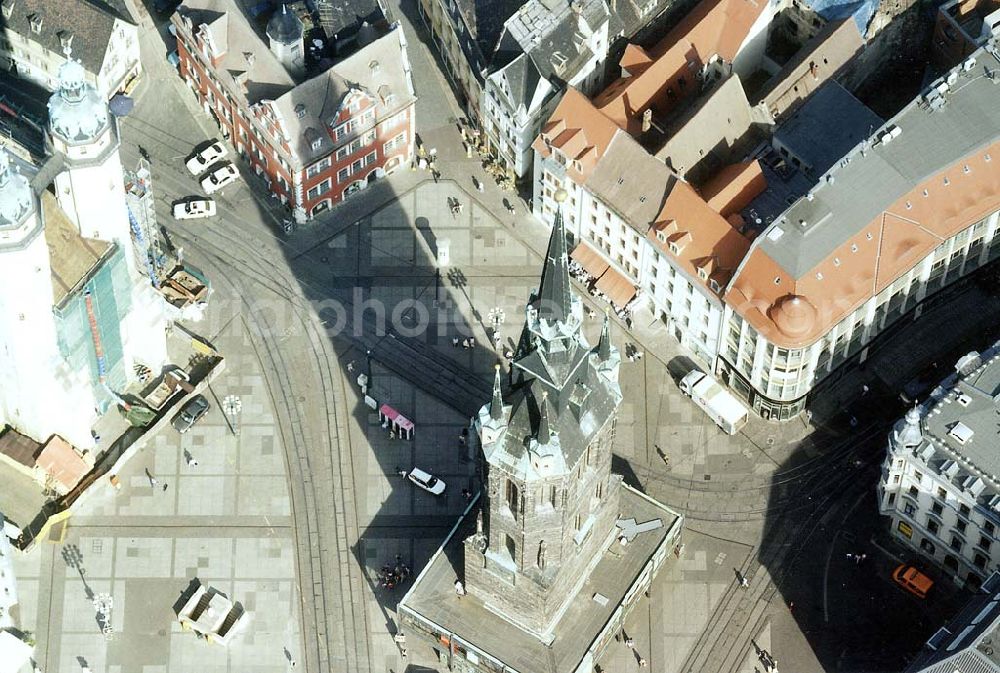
{"x":727,"y":411}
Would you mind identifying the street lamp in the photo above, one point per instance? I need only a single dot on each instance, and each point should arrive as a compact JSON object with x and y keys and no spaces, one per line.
{"x":496,"y":317}
{"x":232,"y":405}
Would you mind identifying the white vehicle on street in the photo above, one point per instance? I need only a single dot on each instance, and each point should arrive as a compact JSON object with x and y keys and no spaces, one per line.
{"x":208,"y":156}
{"x":192,"y":210}
{"x":219,"y":178}
{"x":721,"y":405}
{"x":425,"y":481}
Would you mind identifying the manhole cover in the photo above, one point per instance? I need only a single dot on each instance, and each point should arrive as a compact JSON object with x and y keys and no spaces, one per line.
{"x":708,"y":477}
{"x":324,"y":259}
{"x":770,"y":441}
{"x":302,"y":398}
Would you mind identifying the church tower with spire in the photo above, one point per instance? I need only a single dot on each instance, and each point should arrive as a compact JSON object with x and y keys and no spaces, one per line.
{"x":550,"y":501}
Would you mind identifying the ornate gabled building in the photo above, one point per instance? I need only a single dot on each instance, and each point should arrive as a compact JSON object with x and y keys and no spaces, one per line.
{"x":559,"y":543}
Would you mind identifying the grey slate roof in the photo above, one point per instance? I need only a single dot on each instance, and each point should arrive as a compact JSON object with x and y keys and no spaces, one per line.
{"x":322,"y":95}
{"x":543,"y":28}
{"x":631,"y":180}
{"x":90,"y":23}
{"x":970,"y":642}
{"x":523,"y":78}
{"x":555,"y":293}
{"x":970,"y":397}
{"x":827,"y":126}
{"x":485,"y":20}
{"x":340,"y":16}
{"x":931,"y":140}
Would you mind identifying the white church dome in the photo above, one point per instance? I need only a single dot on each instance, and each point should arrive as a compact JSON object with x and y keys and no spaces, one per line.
{"x":15,"y":193}
{"x":76,"y":111}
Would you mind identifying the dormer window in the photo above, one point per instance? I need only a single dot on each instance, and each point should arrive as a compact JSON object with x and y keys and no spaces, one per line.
{"x":35,"y":22}
{"x":374,"y":67}
{"x":703,"y":274}
{"x":661,"y":237}
{"x":715,"y":286}
{"x":300,"y":110}
{"x":390,"y":100}
{"x":316,"y":144}
{"x":7,"y":7}
{"x":673,"y":248}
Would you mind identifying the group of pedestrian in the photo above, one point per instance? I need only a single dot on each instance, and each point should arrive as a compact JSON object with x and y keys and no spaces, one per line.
{"x":857,"y":558}
{"x":468,"y":342}
{"x":632,"y":352}
{"x":389,"y":577}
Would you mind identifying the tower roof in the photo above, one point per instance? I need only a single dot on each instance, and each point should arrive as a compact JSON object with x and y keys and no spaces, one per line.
{"x":77,"y":112}
{"x":284,"y":27}
{"x":555,"y":293}
{"x":604,"y":345}
{"x":496,"y":405}
{"x":15,"y":192}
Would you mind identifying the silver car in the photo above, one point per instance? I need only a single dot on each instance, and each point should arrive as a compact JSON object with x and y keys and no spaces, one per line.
{"x":190,"y":413}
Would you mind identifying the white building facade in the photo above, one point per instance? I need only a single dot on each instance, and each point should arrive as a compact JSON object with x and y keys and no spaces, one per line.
{"x":558,"y":44}
{"x":76,"y":312}
{"x":34,"y":35}
{"x":939,"y":489}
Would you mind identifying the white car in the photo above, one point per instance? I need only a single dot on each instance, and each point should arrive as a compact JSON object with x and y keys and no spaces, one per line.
{"x":219,"y":178}
{"x":192,"y":210}
{"x":425,"y":481}
{"x":208,"y":156}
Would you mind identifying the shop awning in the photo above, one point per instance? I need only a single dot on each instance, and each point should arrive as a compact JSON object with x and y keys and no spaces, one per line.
{"x":617,"y":287}
{"x":587,"y":257}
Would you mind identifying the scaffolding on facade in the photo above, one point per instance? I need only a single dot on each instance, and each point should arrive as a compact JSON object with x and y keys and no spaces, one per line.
{"x":146,"y":239}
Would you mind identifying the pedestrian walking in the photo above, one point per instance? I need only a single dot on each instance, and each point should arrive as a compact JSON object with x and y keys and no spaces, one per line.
{"x":152,"y":480}
{"x":454,"y":342}
{"x":350,"y":366}
{"x":642,"y":662}
{"x":629,"y":643}
{"x":165,"y":487}
{"x":459,"y":588}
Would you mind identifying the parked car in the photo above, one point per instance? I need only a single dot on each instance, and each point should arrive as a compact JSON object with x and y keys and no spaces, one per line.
{"x":429,"y":483}
{"x":219,"y":178}
{"x":194,"y":209}
{"x":208,"y":156}
{"x":190,"y":413}
{"x":912,"y":580}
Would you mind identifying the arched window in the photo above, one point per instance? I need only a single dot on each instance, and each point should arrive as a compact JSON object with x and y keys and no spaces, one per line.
{"x":511,"y":547}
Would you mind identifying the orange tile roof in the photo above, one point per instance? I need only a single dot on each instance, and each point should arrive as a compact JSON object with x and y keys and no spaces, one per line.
{"x":706,"y":240}
{"x":579,"y":131}
{"x":731,"y":189}
{"x":60,"y":461}
{"x":862,"y":267}
{"x":712,"y":28}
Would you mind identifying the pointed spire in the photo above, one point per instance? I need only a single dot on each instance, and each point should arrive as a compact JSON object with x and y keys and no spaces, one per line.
{"x":555,"y":294}
{"x":604,"y":345}
{"x":496,"y":406}
{"x":544,"y":434}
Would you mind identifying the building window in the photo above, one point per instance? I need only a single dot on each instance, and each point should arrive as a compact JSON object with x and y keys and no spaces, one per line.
{"x":933,"y":526}
{"x":916,"y":475}
{"x":512,"y":497}
{"x":892,"y":499}
{"x":984,"y":543}
{"x":989,"y":528}
{"x":318,"y":168}
{"x":552,"y":495}
{"x":956,"y":543}
{"x":394,"y":143}
{"x":511,"y":547}
{"x":320,"y":189}
{"x":343,"y":174}
{"x":342,"y":152}
{"x":979,"y":560}
{"x":950,"y":562}
{"x":960,"y":526}
{"x":963,"y":510}
{"x":370,"y":158}
{"x":942,"y":493}
{"x":927,"y":546}
{"x":937,"y":508}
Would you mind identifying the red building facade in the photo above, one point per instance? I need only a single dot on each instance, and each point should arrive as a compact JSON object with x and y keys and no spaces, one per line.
{"x":312,"y":143}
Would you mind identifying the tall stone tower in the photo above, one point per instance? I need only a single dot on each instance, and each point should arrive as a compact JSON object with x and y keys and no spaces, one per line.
{"x":92,"y":185}
{"x":285,"y":38}
{"x":550,"y":502}
{"x":42,"y":396}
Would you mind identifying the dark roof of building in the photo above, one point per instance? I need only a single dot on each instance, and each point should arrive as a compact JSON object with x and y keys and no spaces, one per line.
{"x":91,"y":23}
{"x":284,"y":27}
{"x":485,"y":20}
{"x":19,"y":448}
{"x":433,"y":596}
{"x":523,"y":78}
{"x":828,"y":125}
{"x":630,"y":17}
{"x":555,"y":295}
{"x":970,"y":641}
{"x":339,"y":16}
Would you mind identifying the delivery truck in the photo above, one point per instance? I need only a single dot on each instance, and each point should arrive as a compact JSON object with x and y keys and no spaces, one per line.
{"x":727,"y":411}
